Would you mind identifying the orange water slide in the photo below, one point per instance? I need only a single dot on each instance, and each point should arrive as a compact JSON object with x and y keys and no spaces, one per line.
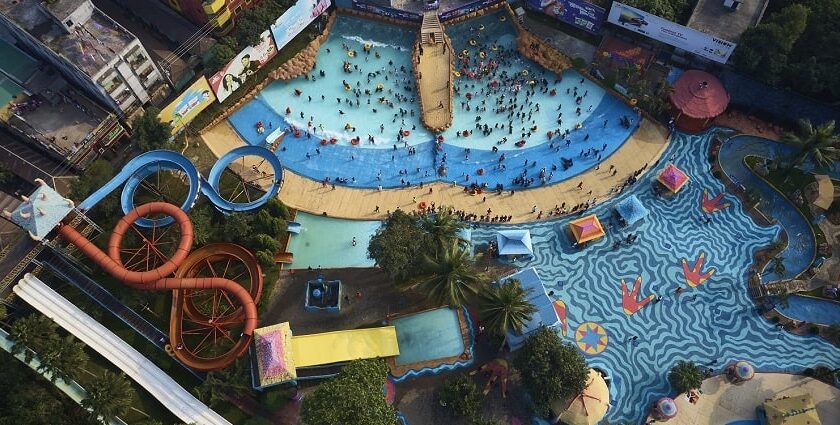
{"x":160,"y":279}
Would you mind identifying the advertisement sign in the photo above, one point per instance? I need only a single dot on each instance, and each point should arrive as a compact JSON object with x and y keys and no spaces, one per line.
{"x":295,"y":19}
{"x":386,"y":11}
{"x":186,"y":107}
{"x":467,"y":8}
{"x":579,"y":13}
{"x":242,"y":67}
{"x":676,"y":35}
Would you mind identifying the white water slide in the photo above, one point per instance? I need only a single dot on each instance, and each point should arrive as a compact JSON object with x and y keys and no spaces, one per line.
{"x":170,"y":394}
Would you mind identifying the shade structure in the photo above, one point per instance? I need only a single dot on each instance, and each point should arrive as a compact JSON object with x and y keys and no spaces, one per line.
{"x":673,"y":178}
{"x":588,"y":407}
{"x":743,"y":371}
{"x":587,"y":228}
{"x":796,"y":410}
{"x":666,"y":407}
{"x":697,"y":97}
{"x":514,"y":242}
{"x":631,"y":209}
{"x":275,"y":363}
{"x":825,"y":191}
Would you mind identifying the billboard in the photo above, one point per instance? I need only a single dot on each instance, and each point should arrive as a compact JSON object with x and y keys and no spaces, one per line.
{"x":467,"y":8}
{"x":579,"y":13}
{"x":242,"y":67}
{"x":295,"y":19}
{"x":387,"y":11}
{"x":676,"y":35}
{"x":187,"y":105}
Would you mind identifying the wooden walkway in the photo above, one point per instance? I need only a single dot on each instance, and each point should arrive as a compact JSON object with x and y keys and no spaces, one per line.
{"x":432,"y":68}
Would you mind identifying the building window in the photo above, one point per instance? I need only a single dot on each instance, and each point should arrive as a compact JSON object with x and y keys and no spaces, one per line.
{"x":69,"y":23}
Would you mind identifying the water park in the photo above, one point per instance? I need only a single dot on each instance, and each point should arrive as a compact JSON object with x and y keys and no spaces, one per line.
{"x":437,"y":217}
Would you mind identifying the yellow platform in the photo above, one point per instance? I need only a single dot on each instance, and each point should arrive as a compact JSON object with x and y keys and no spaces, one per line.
{"x":342,"y":346}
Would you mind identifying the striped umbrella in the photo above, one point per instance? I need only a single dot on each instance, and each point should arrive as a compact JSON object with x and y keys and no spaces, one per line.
{"x":666,"y":407}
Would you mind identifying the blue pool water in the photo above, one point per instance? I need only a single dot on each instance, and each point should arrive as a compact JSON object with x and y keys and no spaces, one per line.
{"x":328,"y":242}
{"x":433,"y":334}
{"x":380,"y":164}
{"x":713,"y":321}
{"x":801,"y":248}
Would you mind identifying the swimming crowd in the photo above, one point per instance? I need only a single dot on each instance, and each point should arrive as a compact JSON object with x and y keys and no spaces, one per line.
{"x":491,"y":80}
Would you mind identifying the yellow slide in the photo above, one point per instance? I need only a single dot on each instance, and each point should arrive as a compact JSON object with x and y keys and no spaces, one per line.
{"x":342,"y":346}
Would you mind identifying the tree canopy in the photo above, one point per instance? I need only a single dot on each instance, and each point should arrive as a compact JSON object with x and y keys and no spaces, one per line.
{"x":505,"y":307}
{"x":354,"y":397}
{"x":673,"y":10}
{"x":820,"y":143}
{"x":550,"y":369}
{"x":108,"y":396}
{"x":448,"y":276}
{"x":397,"y":247}
{"x":149,"y":132}
{"x":461,"y":397}
{"x":796,"y":46}
{"x":685,"y":376}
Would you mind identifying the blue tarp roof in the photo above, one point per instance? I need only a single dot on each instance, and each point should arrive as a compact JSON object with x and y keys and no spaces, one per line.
{"x":42,"y":212}
{"x":545,"y":315}
{"x":631,"y":209}
{"x":514,"y":242}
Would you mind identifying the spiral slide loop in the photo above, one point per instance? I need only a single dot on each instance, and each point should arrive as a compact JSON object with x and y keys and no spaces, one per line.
{"x":195,"y":334}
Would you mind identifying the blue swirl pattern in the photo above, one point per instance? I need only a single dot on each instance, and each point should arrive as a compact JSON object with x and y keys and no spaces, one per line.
{"x":714,"y":322}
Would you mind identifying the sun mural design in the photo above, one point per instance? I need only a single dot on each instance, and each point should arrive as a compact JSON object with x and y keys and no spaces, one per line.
{"x":591,"y":338}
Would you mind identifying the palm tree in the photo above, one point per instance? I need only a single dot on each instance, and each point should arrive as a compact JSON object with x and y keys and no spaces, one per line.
{"x":685,"y":376}
{"x":35,"y":332}
{"x":109,"y":395}
{"x":443,"y":228}
{"x":63,"y":359}
{"x":450,"y":276}
{"x":820,"y":143}
{"x":505,"y":308}
{"x":220,"y":385}
{"x":778,"y":266}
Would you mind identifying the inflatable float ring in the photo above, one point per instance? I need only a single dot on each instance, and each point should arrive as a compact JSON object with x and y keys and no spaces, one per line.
{"x":422,"y":205}
{"x":406,"y":133}
{"x":456,"y":73}
{"x":633,"y":101}
{"x":494,"y":47}
{"x":323,"y":142}
{"x":380,"y":86}
{"x":481,"y":27}
{"x":481,"y":54}
{"x":524,"y":72}
{"x":472,"y":42}
{"x":465,"y":53}
{"x":354,"y":141}
{"x":502,"y":18}
{"x":351,"y":53}
{"x":347,"y":87}
{"x":367,"y":46}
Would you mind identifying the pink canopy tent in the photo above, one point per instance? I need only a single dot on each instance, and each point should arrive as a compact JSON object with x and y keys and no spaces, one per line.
{"x":673,"y":178}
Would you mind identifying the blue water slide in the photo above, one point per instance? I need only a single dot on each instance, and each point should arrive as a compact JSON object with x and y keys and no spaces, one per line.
{"x":211,"y":190}
{"x":135,"y":171}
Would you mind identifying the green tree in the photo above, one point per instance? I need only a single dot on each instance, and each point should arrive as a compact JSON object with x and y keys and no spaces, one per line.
{"x":95,"y":176}
{"x":778,"y":266}
{"x":672,"y":10}
{"x":108,"y":396}
{"x":237,"y":228}
{"x":249,"y":25}
{"x":265,"y":223}
{"x":461,"y":397}
{"x":202,"y":221}
{"x":265,"y":258}
{"x":63,"y":359}
{"x":220,"y":385}
{"x":149,"y":132}
{"x":449,"y":276}
{"x":685,"y":376}
{"x":505,"y":308}
{"x":353,"y":397}
{"x":819,"y":143}
{"x":278,"y":209}
{"x":262,"y":242}
{"x":443,"y":228}
{"x":35,"y":332}
{"x":397,"y":247}
{"x":763,"y":50}
{"x":550,"y":369}
{"x":221,"y":53}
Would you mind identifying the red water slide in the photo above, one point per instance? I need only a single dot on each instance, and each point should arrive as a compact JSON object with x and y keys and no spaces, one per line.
{"x":187,"y":284}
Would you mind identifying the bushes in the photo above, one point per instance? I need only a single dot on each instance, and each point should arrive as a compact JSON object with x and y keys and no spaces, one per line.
{"x":461,"y":397}
{"x":685,"y":376}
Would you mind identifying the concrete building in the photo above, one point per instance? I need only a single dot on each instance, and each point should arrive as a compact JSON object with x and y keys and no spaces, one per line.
{"x":43,"y":111}
{"x":90,"y":49}
{"x":221,"y":13}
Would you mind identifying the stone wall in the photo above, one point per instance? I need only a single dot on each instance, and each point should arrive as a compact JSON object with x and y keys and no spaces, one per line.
{"x":380,"y":18}
{"x":477,"y":13}
{"x":533,"y":48}
{"x":299,"y":64}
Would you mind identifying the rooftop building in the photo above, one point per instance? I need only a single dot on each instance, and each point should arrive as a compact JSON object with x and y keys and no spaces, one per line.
{"x":92,"y":50}
{"x":41,"y":108}
{"x":220,"y":13}
{"x":726,"y":19}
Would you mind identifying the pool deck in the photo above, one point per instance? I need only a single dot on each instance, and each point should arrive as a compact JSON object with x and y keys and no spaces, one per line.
{"x":645,"y":146}
{"x":721,"y":402}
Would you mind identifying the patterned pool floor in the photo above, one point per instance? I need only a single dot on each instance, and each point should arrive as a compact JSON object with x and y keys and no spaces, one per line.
{"x":711,"y":322}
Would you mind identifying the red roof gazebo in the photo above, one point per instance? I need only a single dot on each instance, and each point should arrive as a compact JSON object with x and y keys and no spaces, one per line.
{"x":698,"y":97}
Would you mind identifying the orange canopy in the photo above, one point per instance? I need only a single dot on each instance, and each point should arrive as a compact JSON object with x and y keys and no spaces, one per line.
{"x":587,"y":228}
{"x":673,"y":178}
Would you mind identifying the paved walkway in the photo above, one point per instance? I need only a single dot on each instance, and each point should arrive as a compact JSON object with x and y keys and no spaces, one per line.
{"x":722,"y":403}
{"x":433,"y":67}
{"x":571,"y":46}
{"x":644,"y":147}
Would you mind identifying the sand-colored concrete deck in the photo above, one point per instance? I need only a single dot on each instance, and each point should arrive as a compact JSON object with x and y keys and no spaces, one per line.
{"x":722,"y":403}
{"x":434,"y":69}
{"x":645,"y":146}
